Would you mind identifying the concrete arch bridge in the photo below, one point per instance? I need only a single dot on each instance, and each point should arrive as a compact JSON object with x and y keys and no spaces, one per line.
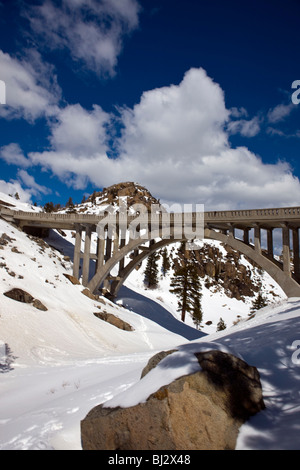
{"x":114,"y":242}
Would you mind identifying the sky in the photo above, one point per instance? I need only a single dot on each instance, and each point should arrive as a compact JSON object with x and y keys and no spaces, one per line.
{"x":192,"y":99}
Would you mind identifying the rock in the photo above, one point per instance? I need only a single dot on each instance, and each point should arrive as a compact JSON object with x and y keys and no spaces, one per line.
{"x":5,"y":239}
{"x":156,"y":360}
{"x":38,"y":304}
{"x":113,"y":320}
{"x":200,"y":411}
{"x":239,"y":381}
{"x":19,"y":295}
{"x":89,"y":294}
{"x":72,"y":279}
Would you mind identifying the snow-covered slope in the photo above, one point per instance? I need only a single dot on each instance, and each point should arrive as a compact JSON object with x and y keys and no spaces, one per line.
{"x":56,"y":365}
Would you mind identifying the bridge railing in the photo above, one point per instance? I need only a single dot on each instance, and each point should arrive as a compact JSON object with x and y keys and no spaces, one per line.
{"x":276,"y":213}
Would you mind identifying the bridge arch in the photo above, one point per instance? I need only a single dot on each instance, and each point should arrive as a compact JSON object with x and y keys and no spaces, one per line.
{"x":290,"y":287}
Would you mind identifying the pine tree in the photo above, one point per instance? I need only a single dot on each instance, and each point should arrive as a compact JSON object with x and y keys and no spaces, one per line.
{"x":70,"y":203}
{"x":165,"y":261}
{"x":258,"y":303}
{"x":186,"y":286}
{"x":151,"y":271}
{"x":221,"y":325}
{"x":49,"y":207}
{"x":197,"y":314}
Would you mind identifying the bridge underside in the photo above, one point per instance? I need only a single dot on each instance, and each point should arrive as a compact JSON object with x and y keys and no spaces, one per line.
{"x":113,"y":255}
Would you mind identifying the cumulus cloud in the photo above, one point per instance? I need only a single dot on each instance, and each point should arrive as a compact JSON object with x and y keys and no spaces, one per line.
{"x":31,"y":87}
{"x":175,"y":141}
{"x":92,"y":31}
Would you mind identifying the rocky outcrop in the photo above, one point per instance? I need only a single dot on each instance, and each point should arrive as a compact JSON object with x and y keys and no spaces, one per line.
{"x":21,"y":296}
{"x":201,"y":411}
{"x":221,"y":269}
{"x":135,"y":194}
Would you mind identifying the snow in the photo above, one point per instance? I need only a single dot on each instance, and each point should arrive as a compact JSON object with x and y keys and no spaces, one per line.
{"x":55,"y":366}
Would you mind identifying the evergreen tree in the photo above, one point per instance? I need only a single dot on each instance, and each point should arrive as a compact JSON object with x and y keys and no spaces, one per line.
{"x":258,"y":303}
{"x":151,"y":271}
{"x":221,"y":325}
{"x":93,"y":198}
{"x":197,"y":314}
{"x":186,"y":286}
{"x":70,"y":203}
{"x":49,"y":207}
{"x":165,"y":261}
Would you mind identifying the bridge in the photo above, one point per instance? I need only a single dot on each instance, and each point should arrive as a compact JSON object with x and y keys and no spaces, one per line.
{"x":116,"y":252}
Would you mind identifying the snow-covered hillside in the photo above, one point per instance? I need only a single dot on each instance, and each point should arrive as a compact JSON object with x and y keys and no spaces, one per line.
{"x":56,"y":365}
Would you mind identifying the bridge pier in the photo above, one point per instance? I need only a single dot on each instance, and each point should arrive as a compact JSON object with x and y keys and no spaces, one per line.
{"x":77,"y":251}
{"x":270,"y":242}
{"x":86,"y":255}
{"x":296,"y":254}
{"x":257,"y":238}
{"x":286,"y":255}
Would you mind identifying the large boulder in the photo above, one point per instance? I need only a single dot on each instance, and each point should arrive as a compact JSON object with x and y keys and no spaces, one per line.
{"x":200,"y":411}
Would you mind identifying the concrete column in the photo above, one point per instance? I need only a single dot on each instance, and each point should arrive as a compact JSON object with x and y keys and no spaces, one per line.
{"x":108,"y":248}
{"x":116,"y":240}
{"x":246,"y":235}
{"x":286,"y":256}
{"x":122,"y":243}
{"x":257,"y":240}
{"x":77,"y":251}
{"x":296,"y":253}
{"x":231,"y":231}
{"x":86,"y":255}
{"x":100,"y":254}
{"x":270,"y":242}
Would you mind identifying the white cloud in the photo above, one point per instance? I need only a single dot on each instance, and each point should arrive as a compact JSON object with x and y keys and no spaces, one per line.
{"x":247,"y":128}
{"x":280,"y":112}
{"x":78,"y":144}
{"x":12,"y":187}
{"x":34,"y":188}
{"x":31,"y":88}
{"x":91,"y":30}
{"x":12,"y":154}
{"x":175,"y":141}
{"x":238,"y":112}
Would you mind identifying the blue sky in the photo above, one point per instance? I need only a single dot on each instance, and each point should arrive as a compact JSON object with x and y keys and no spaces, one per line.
{"x":191,"y":99}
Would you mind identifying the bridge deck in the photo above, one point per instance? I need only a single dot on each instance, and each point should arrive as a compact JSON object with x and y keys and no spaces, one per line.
{"x":265,"y":218}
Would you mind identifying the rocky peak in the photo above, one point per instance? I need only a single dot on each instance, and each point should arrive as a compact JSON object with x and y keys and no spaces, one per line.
{"x":135,"y":194}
